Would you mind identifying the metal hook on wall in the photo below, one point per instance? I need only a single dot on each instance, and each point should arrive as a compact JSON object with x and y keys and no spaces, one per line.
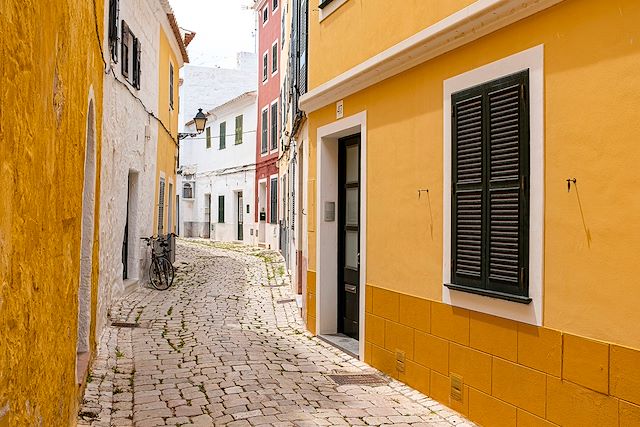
{"x":569,"y":181}
{"x":422,"y":191}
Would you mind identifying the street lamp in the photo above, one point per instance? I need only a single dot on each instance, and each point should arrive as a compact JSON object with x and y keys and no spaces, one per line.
{"x":200,"y":121}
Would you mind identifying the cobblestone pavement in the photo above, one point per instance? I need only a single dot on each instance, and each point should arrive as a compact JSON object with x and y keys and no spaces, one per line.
{"x":226,"y":346}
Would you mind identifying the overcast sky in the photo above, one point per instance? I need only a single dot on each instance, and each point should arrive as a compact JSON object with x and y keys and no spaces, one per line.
{"x":223,"y":27}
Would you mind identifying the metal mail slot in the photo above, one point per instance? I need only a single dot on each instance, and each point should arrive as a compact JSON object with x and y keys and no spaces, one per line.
{"x":351,"y":288}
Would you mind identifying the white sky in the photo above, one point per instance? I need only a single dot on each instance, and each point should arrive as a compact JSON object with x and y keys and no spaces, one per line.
{"x":223,"y":28}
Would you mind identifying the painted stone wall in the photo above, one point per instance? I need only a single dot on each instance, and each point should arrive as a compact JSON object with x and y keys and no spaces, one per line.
{"x":51,"y":66}
{"x":129,"y":149}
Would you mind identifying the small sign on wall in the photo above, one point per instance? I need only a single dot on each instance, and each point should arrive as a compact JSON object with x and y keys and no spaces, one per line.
{"x":340,"y":109}
{"x":329,"y":211}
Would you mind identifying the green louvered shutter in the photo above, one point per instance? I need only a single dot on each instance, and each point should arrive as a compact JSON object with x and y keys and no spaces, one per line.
{"x":490,"y":192}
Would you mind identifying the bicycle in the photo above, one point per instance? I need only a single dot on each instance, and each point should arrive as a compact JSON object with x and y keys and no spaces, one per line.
{"x":161,"y":271}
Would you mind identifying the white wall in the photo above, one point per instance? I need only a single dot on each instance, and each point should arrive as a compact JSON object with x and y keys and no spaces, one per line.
{"x":208,"y":87}
{"x":125,"y":149}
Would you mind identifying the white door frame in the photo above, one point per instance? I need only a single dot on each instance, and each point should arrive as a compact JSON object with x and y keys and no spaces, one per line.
{"x":327,"y":232}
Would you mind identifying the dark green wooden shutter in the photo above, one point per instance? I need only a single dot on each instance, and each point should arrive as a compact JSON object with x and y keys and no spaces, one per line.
{"x":113,"y":28}
{"x":223,"y":135}
{"x":467,"y":190}
{"x":138,"y":64}
{"x":220,"y":209}
{"x":508,"y":163}
{"x":239,"y":131}
{"x":124,"y":49}
{"x":135,"y":69}
{"x":490,"y":193}
{"x":265,"y":131}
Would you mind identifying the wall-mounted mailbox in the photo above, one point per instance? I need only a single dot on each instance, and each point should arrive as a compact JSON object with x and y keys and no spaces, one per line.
{"x":329,"y":211}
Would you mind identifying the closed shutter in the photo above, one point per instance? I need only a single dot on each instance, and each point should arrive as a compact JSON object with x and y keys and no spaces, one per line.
{"x":490,"y":212}
{"x":223,"y":135}
{"x":138,"y":52}
{"x":265,"y":131}
{"x":507,"y":184}
{"x":467,"y":190}
{"x":273,"y":208}
{"x":113,"y":28}
{"x":161,"y":208}
{"x":239,"y":129}
{"x":124,"y":48}
{"x":294,"y":50}
{"x":304,"y":19}
{"x":221,"y":209}
{"x":135,"y":69}
{"x":207,"y":136}
{"x":274,"y":127}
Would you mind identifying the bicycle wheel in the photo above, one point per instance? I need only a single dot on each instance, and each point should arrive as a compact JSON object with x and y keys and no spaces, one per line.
{"x":160,"y":273}
{"x":172,"y":272}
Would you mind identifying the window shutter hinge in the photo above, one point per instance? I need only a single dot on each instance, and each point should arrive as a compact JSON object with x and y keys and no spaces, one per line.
{"x":522,"y":274}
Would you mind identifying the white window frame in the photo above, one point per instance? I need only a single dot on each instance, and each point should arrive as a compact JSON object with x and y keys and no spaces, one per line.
{"x":265,"y":77}
{"x":274,"y":10}
{"x":532,"y":313}
{"x":329,"y":9}
{"x":262,"y":14}
{"x":275,"y":44}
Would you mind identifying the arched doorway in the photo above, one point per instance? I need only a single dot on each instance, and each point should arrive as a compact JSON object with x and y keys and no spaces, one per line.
{"x":86,"y":248}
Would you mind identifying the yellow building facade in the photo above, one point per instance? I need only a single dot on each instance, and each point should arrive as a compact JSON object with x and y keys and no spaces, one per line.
{"x":173,"y":56}
{"x":50,"y":126}
{"x":566,"y":351}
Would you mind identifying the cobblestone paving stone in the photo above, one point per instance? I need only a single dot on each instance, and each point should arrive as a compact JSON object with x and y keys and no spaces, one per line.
{"x":220,"y":347}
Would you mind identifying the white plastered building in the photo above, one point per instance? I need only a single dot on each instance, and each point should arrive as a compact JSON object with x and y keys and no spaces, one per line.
{"x":129,"y":143}
{"x":217,"y":174}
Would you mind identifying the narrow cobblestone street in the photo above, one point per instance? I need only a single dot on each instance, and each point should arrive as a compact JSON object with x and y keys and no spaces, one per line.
{"x":226,"y":346}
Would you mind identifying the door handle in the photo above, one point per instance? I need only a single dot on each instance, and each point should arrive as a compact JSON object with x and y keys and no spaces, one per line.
{"x":351,"y":288}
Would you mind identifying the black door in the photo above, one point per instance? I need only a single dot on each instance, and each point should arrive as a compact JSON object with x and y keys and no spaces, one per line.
{"x":240,"y":217}
{"x":349,"y":236}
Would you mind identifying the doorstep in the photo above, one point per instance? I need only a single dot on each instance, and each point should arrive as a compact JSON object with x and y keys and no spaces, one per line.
{"x":342,"y":342}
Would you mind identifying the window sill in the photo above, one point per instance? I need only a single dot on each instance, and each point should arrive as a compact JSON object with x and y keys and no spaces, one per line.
{"x":327,"y":7}
{"x":492,"y":294}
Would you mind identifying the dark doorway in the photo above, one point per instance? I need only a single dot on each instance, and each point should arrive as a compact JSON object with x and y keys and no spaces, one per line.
{"x":206,"y":232}
{"x":349,"y":236}
{"x":240,"y":217}
{"x":125,"y":240}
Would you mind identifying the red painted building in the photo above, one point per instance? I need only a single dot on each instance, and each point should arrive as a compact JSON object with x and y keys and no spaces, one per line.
{"x":268,"y":135}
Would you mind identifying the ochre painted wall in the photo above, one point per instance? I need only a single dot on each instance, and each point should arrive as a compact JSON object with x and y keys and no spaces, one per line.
{"x":51,"y":62}
{"x":361,"y":29}
{"x":581,"y":368}
{"x":167,"y":133}
{"x":592,"y":99}
{"x":513,"y":374}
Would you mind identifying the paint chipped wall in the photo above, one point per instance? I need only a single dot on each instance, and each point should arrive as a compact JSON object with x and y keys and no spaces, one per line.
{"x":51,"y":62}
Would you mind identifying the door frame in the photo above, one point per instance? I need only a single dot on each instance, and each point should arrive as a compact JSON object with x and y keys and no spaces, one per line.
{"x":327,"y":232}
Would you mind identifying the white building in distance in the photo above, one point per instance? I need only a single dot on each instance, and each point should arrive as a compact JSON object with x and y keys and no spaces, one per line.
{"x":217,"y":170}
{"x":208,"y":87}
